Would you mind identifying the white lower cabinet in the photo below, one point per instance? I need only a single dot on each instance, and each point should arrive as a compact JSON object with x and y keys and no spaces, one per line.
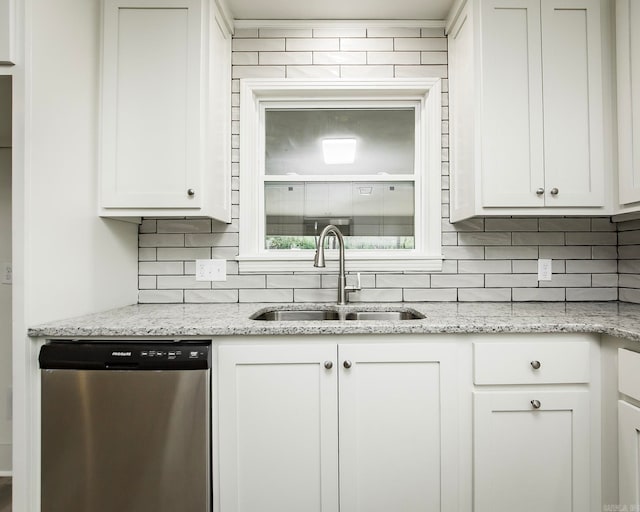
{"x":531,"y":451}
{"x":629,"y":455}
{"x":535,"y":430}
{"x":355,"y":427}
{"x":629,"y":429}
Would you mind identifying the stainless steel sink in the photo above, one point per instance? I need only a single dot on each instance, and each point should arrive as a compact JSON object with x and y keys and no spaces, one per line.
{"x":288,"y":315}
{"x":284,"y":315}
{"x":383,"y":315}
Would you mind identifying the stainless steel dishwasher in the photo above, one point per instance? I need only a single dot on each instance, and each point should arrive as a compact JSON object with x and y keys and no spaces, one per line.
{"x":126,"y":427}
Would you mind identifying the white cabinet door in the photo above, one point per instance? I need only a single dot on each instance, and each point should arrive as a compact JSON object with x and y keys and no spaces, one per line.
{"x":512,"y":122}
{"x":151,"y":103}
{"x":166,"y":110}
{"x":398,"y":424}
{"x":628,"y":60}
{"x":531,"y":459}
{"x":573,"y":109}
{"x":278,"y":421}
{"x":7,"y":31}
{"x":629,"y":455}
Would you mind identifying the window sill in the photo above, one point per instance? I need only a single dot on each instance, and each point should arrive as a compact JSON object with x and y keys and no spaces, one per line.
{"x":303,"y":262}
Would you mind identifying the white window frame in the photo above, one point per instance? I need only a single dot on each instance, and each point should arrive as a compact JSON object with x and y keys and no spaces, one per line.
{"x":256,"y":94}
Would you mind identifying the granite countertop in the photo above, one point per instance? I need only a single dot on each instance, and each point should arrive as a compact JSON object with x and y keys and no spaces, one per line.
{"x":178,"y":320}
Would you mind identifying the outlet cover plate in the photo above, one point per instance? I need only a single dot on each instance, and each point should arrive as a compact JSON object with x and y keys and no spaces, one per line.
{"x":544,"y":270}
{"x":211,"y":270}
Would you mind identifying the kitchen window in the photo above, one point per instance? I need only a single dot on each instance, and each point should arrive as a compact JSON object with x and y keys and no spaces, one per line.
{"x":364,"y":156}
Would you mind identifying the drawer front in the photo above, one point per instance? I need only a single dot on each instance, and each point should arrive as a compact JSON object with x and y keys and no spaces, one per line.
{"x":629,"y":373}
{"x":531,"y":363}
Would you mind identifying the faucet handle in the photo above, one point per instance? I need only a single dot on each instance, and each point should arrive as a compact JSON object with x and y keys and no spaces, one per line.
{"x":356,"y":287}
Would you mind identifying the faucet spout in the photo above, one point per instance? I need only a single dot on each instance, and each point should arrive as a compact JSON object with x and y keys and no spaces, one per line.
{"x":319,"y":261}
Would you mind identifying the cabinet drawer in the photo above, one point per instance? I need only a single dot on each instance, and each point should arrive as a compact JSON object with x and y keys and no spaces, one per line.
{"x":531,"y":363}
{"x":629,"y":373}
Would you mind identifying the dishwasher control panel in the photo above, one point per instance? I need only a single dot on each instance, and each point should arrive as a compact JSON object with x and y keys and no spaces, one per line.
{"x":124,"y":355}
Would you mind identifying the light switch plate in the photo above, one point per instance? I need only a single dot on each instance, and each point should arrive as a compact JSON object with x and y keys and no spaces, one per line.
{"x":7,"y":274}
{"x":544,"y":270}
{"x":211,"y":270}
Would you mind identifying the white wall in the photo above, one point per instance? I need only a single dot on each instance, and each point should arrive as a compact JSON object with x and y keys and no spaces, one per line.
{"x":5,"y":257}
{"x":67,"y":261}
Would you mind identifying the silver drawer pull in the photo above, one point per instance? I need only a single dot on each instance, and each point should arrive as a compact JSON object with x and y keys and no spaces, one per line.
{"x":535,"y":365}
{"x":328,"y":365}
{"x":554,"y":191}
{"x":535,"y":404}
{"x":347,"y":364}
{"x":540,"y":191}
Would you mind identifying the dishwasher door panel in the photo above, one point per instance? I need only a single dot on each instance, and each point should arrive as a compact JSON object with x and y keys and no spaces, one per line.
{"x":126,"y":441}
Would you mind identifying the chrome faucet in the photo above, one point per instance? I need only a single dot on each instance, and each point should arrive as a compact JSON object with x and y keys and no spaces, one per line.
{"x":318,"y":261}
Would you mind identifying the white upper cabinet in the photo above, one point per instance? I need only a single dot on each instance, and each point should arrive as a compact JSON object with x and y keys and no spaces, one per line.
{"x":628,"y":60}
{"x":526,"y":108}
{"x":165,"y":110}
{"x":7,"y":31}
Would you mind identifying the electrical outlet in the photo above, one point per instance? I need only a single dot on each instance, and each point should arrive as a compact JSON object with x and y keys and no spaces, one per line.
{"x":544,"y":270}
{"x":7,"y":274}
{"x":211,"y":270}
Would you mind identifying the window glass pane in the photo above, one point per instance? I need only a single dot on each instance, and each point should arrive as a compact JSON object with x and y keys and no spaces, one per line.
{"x":376,"y":215}
{"x":339,"y":142}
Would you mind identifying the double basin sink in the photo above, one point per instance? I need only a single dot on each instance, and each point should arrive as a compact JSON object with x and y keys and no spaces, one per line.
{"x":288,"y":315}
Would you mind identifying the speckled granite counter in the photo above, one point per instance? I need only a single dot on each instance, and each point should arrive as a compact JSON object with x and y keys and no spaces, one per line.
{"x":179,"y":320}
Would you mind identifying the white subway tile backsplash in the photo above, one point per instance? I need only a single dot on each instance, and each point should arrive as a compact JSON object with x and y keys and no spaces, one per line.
{"x":339,"y":32}
{"x":244,"y":59}
{"x":160,"y":296}
{"x":186,"y":253}
{"x":538,"y":294}
{"x":356,"y":44}
{"x":565,"y":224}
{"x":313,"y":71}
{"x":457,"y":281}
{"x":181,"y":283}
{"x":492,"y":259}
{"x":265,"y":295}
{"x":258,"y":45}
{"x":258,"y":72}
{"x":284,"y":32}
{"x":511,"y":280}
{"x":293,"y":281}
{"x":584,"y":294}
{"x":538,"y":238}
{"x":313,"y":45}
{"x":393,"y":32}
{"x":338,"y":58}
{"x":393,"y":58}
{"x":430,"y":294}
{"x":147,"y":283}
{"x":146,"y":253}
{"x":160,"y":240}
{"x":210,"y":296}
{"x":427,"y":44}
{"x":484,"y":294}
{"x":421,"y":72}
{"x":362,"y":72}
{"x":402,"y":281}
{"x":432,"y":32}
{"x":274,"y":58}
{"x":431,"y":58}
{"x":160,"y":268}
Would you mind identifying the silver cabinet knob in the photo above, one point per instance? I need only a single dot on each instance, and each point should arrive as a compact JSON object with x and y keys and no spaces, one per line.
{"x":553,"y":191}
{"x":535,"y":404}
{"x":535,"y":365}
{"x":191,"y":192}
{"x":540,"y":191}
{"x":347,"y":364}
{"x":328,"y":365}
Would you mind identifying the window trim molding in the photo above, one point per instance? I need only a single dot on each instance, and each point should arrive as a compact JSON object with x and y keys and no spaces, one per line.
{"x":426,"y":91}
